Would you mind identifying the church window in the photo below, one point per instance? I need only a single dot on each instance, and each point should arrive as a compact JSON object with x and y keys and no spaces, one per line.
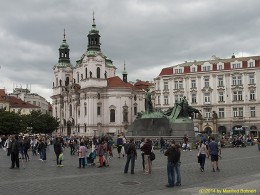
{"x":57,"y":82}
{"x":135,"y":110}
{"x":77,"y":77}
{"x":67,"y":81}
{"x":98,"y":72}
{"x":98,"y":110}
{"x":112,"y":115}
{"x":70,"y":110}
{"x":86,"y":72}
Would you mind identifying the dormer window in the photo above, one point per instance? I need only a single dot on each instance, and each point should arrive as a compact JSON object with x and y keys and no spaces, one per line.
{"x":178,"y":71}
{"x":193,"y":68}
{"x":236,"y":65}
{"x":206,"y":68}
{"x":220,"y":66}
{"x":250,"y":64}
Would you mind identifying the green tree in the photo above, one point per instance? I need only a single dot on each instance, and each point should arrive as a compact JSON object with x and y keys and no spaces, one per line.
{"x":11,"y":123}
{"x":41,"y":123}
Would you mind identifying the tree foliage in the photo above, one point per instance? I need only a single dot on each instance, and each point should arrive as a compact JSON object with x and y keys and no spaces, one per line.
{"x":11,"y":123}
{"x":41,"y":123}
{"x":35,"y":122}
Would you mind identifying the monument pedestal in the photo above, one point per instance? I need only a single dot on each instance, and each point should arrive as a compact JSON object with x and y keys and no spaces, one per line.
{"x":150,"y":127}
{"x":182,"y":126}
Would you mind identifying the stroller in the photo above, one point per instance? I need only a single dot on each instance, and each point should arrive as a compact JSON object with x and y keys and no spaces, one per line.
{"x":91,"y":158}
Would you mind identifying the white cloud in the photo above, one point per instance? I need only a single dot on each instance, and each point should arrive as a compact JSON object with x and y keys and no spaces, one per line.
{"x":148,"y":35}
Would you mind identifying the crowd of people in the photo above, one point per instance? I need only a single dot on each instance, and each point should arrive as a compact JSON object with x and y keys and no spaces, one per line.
{"x":100,"y":150}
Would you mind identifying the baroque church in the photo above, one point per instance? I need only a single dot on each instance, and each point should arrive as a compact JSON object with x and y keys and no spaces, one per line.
{"x":88,"y":98}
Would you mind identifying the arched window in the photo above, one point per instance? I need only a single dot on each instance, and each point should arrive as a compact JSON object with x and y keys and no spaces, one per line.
{"x":67,"y":81}
{"x":98,"y":72}
{"x":112,"y":115}
{"x":135,"y":110}
{"x":86,"y":72}
{"x":57,"y":82}
{"x":85,"y":110}
{"x":70,"y":110}
{"x":77,"y":77}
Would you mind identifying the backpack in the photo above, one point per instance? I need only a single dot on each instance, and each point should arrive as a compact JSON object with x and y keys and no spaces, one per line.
{"x":176,"y":155}
{"x":127,"y":148}
{"x":152,"y":156}
{"x":119,"y":141}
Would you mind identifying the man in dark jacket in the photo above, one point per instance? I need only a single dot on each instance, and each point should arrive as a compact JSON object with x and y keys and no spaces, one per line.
{"x":173,"y":165}
{"x":58,"y":150}
{"x":131,"y":155}
{"x":14,"y":152}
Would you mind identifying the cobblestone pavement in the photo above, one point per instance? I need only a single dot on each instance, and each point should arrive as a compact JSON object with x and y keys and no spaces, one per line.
{"x":239,"y":170}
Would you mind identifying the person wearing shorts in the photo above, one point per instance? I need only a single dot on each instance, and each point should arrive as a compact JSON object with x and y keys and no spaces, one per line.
{"x":213,"y":151}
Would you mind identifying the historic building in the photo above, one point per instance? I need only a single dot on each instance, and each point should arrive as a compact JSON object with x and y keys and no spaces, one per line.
{"x":224,"y":90}
{"x":32,"y":98}
{"x":88,"y":98}
{"x":13,"y":104}
{"x":4,"y":103}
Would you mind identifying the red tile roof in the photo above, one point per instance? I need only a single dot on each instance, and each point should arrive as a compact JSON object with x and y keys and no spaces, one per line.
{"x":142,"y":84}
{"x":117,"y":82}
{"x":49,"y":107}
{"x":166,"y":71}
{"x":18,"y":103}
{"x":2,"y":95}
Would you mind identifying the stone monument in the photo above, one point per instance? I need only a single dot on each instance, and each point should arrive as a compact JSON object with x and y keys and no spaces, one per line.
{"x":176,"y":121}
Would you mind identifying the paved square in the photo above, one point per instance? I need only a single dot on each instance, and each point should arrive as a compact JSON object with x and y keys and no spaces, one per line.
{"x":239,"y":170}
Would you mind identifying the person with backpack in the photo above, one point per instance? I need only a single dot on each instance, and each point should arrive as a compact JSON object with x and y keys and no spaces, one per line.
{"x":119,"y":144}
{"x":147,"y":149}
{"x":130,"y":150}
{"x":173,"y":164}
{"x":202,"y":153}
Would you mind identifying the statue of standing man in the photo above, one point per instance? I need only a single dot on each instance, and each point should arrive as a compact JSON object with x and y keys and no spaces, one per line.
{"x":148,"y":101}
{"x":185,"y":107}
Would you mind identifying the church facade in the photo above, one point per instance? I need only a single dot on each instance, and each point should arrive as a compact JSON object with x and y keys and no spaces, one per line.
{"x":88,"y":98}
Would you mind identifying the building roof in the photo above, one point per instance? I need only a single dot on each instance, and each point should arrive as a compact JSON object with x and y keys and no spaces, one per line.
{"x":18,"y":103}
{"x":166,"y":71}
{"x":117,"y":82}
{"x":142,"y":84}
{"x":49,"y":107}
{"x":219,"y":60}
{"x":2,"y":95}
{"x":214,"y":62}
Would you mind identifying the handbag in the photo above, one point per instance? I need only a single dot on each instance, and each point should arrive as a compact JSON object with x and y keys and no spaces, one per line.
{"x":152,"y":156}
{"x":199,"y":158}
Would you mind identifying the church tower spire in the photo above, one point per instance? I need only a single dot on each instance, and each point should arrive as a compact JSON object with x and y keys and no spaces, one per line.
{"x":64,"y":51}
{"x":124,"y":74}
{"x":94,"y":37}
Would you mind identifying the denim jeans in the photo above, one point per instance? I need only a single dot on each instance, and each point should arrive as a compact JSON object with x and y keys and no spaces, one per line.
{"x":176,"y":168}
{"x":170,"y":173}
{"x":202,"y":160}
{"x":130,"y":157}
{"x":43,"y":154}
{"x":82,"y":162}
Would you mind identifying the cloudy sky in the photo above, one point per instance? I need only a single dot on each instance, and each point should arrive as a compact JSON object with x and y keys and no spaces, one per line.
{"x":147,"y":34}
